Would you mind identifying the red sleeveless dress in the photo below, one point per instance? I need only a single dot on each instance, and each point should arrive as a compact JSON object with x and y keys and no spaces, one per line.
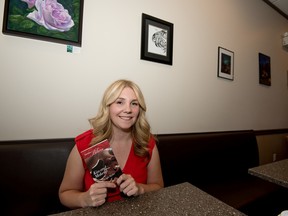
{"x":135,"y":166}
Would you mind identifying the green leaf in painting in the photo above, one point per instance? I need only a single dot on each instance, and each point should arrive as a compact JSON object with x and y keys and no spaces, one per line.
{"x":42,"y":30}
{"x":27,"y":24}
{"x":15,"y":19}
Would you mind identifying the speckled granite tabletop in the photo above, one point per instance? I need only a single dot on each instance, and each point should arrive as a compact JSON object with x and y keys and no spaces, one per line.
{"x":182,"y":199}
{"x":276,"y":172}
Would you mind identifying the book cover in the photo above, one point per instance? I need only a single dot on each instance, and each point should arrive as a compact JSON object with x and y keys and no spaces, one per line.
{"x":101,"y":162}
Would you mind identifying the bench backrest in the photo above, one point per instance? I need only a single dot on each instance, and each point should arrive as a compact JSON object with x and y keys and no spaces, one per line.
{"x":31,"y":173}
{"x":32,"y":170}
{"x":202,"y":158}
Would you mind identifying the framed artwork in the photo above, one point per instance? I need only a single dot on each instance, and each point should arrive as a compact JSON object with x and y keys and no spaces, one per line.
{"x":264,"y":70}
{"x":58,"y":21}
{"x":225,"y":63}
{"x":156,"y":40}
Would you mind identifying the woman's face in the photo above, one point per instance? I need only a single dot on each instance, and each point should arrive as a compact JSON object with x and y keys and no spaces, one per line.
{"x":125,"y":110}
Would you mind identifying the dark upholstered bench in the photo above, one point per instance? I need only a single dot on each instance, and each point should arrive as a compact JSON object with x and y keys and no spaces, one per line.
{"x":32,"y":170}
{"x":216,"y":162}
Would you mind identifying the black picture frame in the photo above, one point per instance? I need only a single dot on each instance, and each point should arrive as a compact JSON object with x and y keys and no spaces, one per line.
{"x":156,"y":40}
{"x":24,"y":19}
{"x":264,"y":69}
{"x":225,"y":63}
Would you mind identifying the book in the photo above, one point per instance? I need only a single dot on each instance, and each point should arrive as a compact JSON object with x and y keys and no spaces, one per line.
{"x":101,"y":162}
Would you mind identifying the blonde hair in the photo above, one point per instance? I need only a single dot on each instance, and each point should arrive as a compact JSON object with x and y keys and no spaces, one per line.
{"x":102,"y":124}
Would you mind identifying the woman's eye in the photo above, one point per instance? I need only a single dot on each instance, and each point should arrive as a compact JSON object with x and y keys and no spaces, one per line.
{"x":135,"y":103}
{"x":119,"y":102}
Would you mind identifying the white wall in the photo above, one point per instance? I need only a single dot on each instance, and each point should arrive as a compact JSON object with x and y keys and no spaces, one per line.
{"x":46,"y":92}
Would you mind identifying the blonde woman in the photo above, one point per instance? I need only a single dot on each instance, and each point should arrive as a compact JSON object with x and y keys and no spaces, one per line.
{"x":121,"y":119}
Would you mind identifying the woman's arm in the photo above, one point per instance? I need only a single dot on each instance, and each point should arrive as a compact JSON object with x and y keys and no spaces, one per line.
{"x":71,"y":191}
{"x":154,"y":180}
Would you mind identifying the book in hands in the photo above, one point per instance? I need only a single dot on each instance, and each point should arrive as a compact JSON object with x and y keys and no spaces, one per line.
{"x":101,"y":162}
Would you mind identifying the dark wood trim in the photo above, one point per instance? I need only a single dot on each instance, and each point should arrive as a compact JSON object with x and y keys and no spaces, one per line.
{"x":271,"y":131}
{"x":70,"y":140}
{"x":276,"y":8}
{"x":33,"y":141}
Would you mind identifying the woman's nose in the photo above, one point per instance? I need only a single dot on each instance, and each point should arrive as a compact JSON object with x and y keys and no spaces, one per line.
{"x":128,"y":108}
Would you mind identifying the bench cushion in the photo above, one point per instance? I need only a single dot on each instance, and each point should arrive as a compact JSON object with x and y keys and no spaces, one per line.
{"x":31,"y":173}
{"x":216,"y":162}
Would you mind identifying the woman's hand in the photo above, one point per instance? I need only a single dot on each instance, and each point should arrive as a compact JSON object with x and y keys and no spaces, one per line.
{"x":97,"y":193}
{"x":128,"y":185}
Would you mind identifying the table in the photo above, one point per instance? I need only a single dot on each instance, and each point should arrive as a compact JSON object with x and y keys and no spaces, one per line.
{"x":276,"y":172}
{"x":177,"y":200}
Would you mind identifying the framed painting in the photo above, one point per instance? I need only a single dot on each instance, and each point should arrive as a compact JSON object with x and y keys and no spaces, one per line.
{"x":225,"y":63}
{"x":264,"y":70}
{"x":58,"y":21}
{"x":156,"y":40}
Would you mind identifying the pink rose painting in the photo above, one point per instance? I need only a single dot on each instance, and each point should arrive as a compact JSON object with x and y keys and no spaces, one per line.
{"x":50,"y":14}
{"x":54,"y":20}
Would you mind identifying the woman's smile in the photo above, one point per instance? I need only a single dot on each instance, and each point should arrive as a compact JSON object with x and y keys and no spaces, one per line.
{"x":126,"y":117}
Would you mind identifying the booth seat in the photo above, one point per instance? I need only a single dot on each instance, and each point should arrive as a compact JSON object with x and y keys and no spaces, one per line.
{"x":31,"y":173}
{"x":216,"y":162}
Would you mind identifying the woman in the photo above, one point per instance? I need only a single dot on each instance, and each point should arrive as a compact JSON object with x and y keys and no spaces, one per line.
{"x":121,"y":119}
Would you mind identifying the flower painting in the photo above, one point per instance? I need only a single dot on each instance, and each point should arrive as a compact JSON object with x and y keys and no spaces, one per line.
{"x":52,"y":20}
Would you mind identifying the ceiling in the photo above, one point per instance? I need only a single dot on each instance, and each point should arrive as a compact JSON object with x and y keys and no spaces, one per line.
{"x":281,"y":6}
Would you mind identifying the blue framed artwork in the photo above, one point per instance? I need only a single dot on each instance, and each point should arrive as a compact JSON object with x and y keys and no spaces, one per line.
{"x":264,"y":69}
{"x":225,"y":63}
